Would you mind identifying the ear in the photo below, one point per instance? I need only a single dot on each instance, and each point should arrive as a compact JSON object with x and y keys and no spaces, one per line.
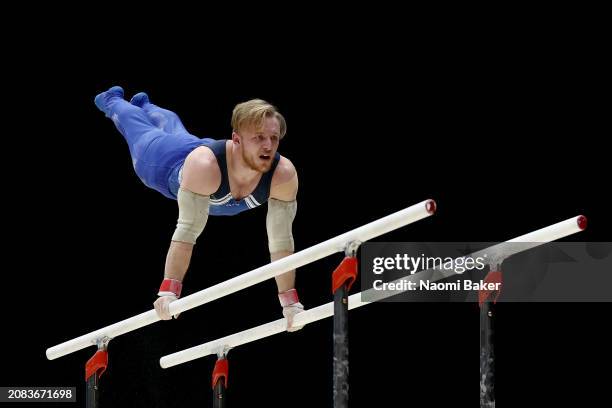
{"x":235,"y":138}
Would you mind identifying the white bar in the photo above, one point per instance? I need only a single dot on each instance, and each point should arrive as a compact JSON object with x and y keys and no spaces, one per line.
{"x":306,"y":256}
{"x":556,"y":231}
{"x":551,"y":233}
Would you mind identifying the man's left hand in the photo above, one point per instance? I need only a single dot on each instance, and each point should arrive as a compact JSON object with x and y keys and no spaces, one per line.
{"x":289,"y":312}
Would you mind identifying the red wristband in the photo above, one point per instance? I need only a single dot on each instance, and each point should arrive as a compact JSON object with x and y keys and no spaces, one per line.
{"x":170,"y":287}
{"x":288,"y":298}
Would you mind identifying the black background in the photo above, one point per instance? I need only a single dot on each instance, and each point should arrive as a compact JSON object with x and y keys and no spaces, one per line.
{"x":504,"y":147}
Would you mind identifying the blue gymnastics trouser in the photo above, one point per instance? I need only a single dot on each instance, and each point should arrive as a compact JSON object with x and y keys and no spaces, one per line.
{"x":157,"y":140}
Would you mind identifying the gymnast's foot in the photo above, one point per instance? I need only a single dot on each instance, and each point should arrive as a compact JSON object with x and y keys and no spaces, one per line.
{"x":140,"y":99}
{"x":105,"y":100}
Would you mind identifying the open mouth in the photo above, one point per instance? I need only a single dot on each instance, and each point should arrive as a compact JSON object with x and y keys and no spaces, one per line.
{"x":265,"y":157}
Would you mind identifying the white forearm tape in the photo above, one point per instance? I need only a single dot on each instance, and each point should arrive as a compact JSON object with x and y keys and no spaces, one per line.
{"x":193,"y":214}
{"x":278,"y":222}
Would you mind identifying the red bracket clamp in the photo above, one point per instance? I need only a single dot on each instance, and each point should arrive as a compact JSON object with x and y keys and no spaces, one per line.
{"x":96,"y":364}
{"x":345,"y":273}
{"x":492,"y":277}
{"x":220,"y":371}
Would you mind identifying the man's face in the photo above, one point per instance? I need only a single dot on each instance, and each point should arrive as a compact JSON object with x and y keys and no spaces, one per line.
{"x":259,"y":145}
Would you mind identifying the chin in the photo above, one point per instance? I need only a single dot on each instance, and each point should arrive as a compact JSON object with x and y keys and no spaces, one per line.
{"x":263,"y":166}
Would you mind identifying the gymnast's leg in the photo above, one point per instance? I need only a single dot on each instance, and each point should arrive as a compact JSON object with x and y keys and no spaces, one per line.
{"x":135,"y":126}
{"x":164,"y":119}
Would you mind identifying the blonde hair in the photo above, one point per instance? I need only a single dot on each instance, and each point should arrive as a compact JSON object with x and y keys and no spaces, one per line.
{"x":251,"y":114}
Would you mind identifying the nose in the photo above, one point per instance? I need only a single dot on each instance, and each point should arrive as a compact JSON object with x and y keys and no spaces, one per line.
{"x":267,"y":144}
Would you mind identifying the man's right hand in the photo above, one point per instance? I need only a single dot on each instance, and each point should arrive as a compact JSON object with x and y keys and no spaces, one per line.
{"x":162,"y":307}
{"x":169,"y":291}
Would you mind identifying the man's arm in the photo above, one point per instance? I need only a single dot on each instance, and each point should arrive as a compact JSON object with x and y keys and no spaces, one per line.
{"x":282,"y":207}
{"x":201,"y":177}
